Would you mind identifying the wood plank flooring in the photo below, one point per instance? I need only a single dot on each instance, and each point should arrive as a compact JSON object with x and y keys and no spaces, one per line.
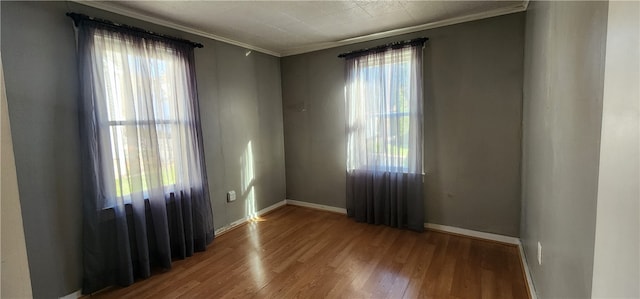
{"x":296,"y":252}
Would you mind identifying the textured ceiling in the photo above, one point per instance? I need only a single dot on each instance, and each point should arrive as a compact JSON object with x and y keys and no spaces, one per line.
{"x":290,"y":27}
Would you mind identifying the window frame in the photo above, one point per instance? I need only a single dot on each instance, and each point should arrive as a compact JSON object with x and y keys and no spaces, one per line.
{"x":405,"y":61}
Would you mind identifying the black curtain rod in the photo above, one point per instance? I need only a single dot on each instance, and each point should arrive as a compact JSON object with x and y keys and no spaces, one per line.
{"x":397,"y":45}
{"x":81,"y":17}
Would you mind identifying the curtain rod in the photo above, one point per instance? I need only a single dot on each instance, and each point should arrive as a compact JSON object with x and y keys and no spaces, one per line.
{"x":80,"y":17}
{"x":381,"y":48}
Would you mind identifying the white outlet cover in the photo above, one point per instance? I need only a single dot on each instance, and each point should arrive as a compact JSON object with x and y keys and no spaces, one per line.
{"x":231,"y":196}
{"x":539,"y":253}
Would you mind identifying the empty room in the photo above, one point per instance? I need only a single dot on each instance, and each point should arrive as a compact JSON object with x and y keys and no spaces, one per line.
{"x":320,"y":149}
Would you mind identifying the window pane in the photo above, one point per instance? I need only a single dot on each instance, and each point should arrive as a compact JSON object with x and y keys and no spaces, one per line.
{"x":166,"y":146}
{"x":127,"y":151}
{"x":139,"y":127}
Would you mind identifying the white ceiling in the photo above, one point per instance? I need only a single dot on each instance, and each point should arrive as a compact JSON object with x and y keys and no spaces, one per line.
{"x":284,"y":28}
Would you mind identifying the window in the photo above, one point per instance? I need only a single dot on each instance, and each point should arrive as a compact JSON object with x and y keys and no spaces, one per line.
{"x":383,"y":112}
{"x":145,"y":197}
{"x":383,"y":94}
{"x":145,"y":118}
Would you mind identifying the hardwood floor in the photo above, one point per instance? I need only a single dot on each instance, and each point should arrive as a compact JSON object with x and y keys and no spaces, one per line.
{"x":305,"y":253}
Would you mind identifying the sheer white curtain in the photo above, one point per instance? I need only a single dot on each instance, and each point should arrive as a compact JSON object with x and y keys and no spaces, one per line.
{"x":146,"y":198}
{"x":147,"y":137}
{"x":385,"y":136}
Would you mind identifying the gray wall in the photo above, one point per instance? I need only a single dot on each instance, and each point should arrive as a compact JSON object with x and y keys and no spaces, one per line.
{"x":240,"y":99}
{"x":563,"y":86}
{"x":616,"y":266}
{"x":473,"y":101}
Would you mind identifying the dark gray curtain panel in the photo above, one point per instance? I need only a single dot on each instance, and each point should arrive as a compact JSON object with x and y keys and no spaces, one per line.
{"x":145,"y":197}
{"x":391,"y":198}
{"x":385,"y":137}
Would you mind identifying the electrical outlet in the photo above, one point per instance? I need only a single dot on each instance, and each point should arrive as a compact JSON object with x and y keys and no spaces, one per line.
{"x":231,"y":196}
{"x":539,"y":253}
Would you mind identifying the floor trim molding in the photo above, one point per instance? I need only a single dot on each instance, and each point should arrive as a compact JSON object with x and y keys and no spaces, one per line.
{"x":245,"y":219}
{"x":527,"y":272}
{"x":473,"y":233}
{"x":431,"y":226}
{"x":73,"y":295}
{"x":496,"y":238}
{"x":316,"y":206}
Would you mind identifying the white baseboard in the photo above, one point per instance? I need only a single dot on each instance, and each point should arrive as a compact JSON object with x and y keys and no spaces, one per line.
{"x":316,"y":206}
{"x":241,"y":221}
{"x":492,"y":237}
{"x":473,"y":233}
{"x":73,"y":295}
{"x":527,"y":273}
{"x":444,"y":228}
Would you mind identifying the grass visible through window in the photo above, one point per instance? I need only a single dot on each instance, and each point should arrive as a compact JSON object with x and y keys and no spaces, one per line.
{"x":138,"y":182}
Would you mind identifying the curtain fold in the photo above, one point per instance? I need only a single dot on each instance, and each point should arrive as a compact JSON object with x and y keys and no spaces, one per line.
{"x":384,"y":131}
{"x":145,"y":196}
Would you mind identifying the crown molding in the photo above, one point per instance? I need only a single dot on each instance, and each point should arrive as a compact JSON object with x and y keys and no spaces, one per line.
{"x":390,"y":33}
{"x":104,"y":5}
{"x":136,"y":15}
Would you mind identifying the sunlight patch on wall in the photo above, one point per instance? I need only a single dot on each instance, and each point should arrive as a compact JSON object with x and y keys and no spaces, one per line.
{"x":248,"y":178}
